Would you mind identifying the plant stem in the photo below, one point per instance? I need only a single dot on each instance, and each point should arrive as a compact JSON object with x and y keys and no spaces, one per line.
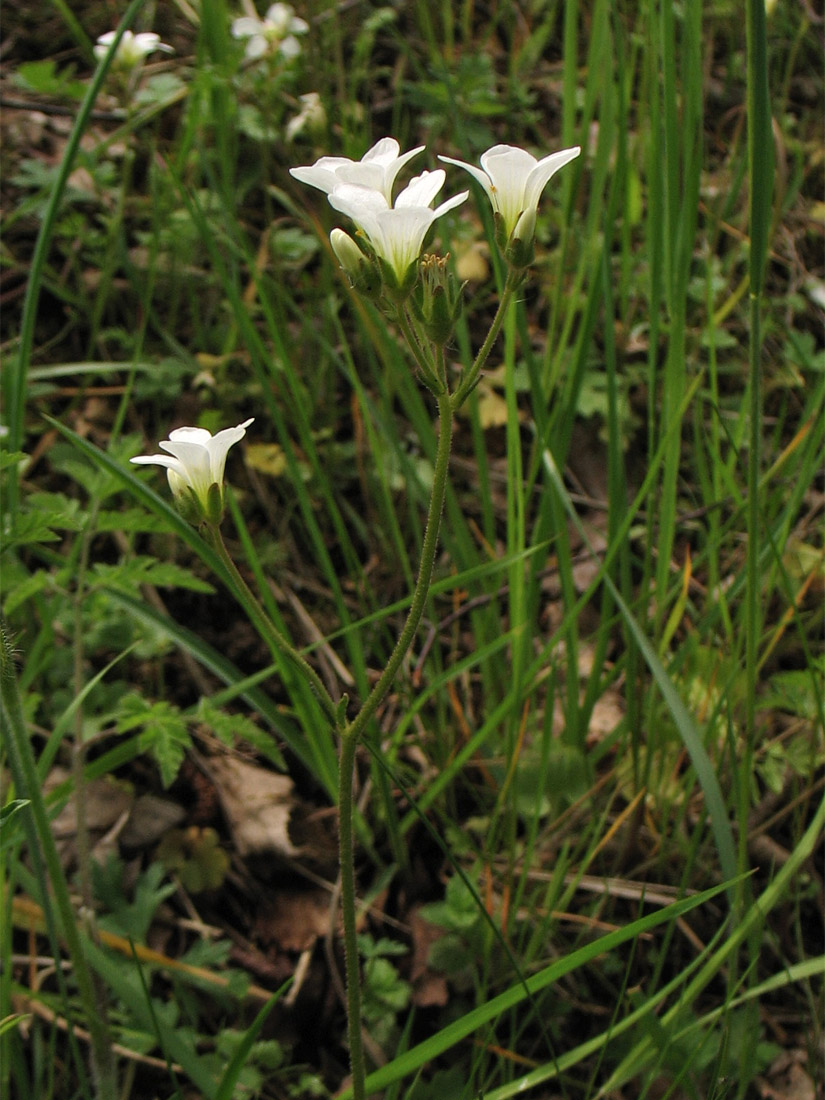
{"x":346,"y":850}
{"x":267,"y":628}
{"x":352,"y":733}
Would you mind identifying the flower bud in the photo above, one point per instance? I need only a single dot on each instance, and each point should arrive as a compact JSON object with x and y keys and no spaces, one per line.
{"x":360,"y":270}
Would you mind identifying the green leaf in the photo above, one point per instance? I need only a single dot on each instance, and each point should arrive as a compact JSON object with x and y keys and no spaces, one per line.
{"x":164,"y":732}
{"x":231,"y":728}
{"x":129,"y":918}
{"x":25,"y":589}
{"x":459,"y":910}
{"x":130,"y":575}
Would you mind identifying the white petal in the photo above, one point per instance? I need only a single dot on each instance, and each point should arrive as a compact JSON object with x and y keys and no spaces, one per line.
{"x":544,"y":171}
{"x":290,"y":47}
{"x":422,"y":190}
{"x":477,"y":174}
{"x":397,"y":235}
{"x":195,"y":466}
{"x":450,"y":204}
{"x":158,"y":460}
{"x":245,"y":26}
{"x":384,"y":152}
{"x":358,"y":202}
{"x":190,"y":435}
{"x":218,"y":448}
{"x":147,"y":42}
{"x":517,"y":160}
{"x":256,"y":47}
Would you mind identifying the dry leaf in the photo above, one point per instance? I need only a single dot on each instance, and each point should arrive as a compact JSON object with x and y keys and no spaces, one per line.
{"x":429,"y":987}
{"x":257,"y":804}
{"x":294,"y":919}
{"x":106,"y":802}
{"x":150,"y":818}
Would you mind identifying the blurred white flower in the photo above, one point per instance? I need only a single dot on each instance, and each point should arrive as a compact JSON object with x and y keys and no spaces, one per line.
{"x":311,"y":116}
{"x":376,"y":170}
{"x":194,"y":464}
{"x":274,"y":33}
{"x":132,"y":48}
{"x":397,"y":232}
{"x":514,"y":181}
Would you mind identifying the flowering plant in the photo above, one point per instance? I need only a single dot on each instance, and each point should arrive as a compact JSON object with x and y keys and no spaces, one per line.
{"x":382,"y":261}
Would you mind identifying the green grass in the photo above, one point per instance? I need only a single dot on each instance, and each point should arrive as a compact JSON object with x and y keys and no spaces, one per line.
{"x":616,"y":693}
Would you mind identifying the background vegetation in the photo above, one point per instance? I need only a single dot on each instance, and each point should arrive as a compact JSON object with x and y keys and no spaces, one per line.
{"x":616,"y":703}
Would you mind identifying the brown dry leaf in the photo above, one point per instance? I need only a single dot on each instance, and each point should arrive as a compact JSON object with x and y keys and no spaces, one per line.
{"x":257,"y":804}
{"x":608,"y":711}
{"x":107,"y":804}
{"x":150,"y":818}
{"x":789,"y":1080}
{"x":294,"y":919}
{"x":429,"y":987}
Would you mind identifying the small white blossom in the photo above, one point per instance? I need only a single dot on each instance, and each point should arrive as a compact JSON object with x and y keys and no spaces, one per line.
{"x":194,"y":463}
{"x":311,"y":116}
{"x":397,"y":232}
{"x":275,"y":32}
{"x":514,"y":180}
{"x":376,"y":170}
{"x":132,"y":48}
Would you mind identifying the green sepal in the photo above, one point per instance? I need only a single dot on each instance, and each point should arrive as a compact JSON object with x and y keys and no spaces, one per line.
{"x":520,"y":254}
{"x":398,"y":291}
{"x":214,"y":504}
{"x":190,"y":506}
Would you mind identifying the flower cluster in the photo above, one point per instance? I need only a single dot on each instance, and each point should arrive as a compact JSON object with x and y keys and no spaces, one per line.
{"x":393,"y":232}
{"x":275,"y":33}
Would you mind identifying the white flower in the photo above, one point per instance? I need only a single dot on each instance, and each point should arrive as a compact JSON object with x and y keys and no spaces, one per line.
{"x":396,"y":232}
{"x":276,"y":31}
{"x":311,"y":116}
{"x":514,"y":181}
{"x":195,"y":462}
{"x":376,"y":170}
{"x":132,"y":48}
